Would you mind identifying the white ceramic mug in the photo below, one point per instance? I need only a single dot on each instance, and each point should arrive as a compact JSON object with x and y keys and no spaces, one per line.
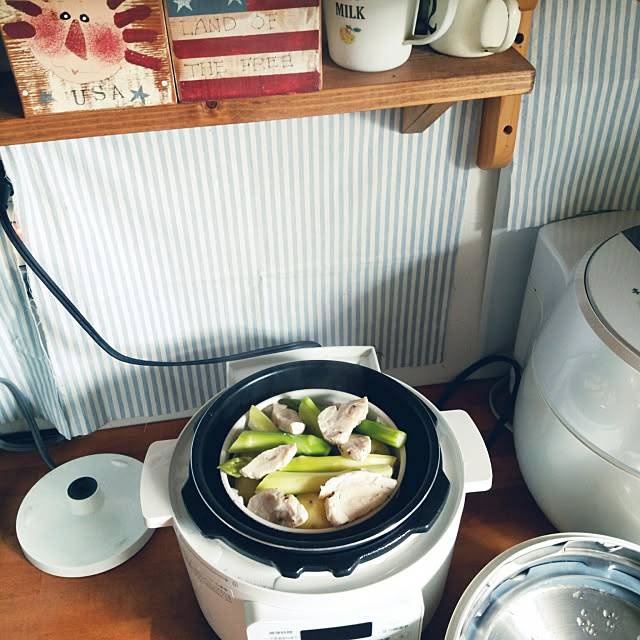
{"x":480,"y":28}
{"x":376,"y":35}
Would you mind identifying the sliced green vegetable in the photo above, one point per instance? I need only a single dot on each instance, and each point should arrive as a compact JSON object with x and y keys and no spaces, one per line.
{"x":232,"y":466}
{"x":259,"y":421}
{"x":336,"y":463}
{"x":291,"y":403}
{"x":380,"y":448}
{"x":246,"y":487}
{"x":382,"y":432}
{"x":309,"y":413}
{"x":251,"y":441}
{"x":310,"y":482}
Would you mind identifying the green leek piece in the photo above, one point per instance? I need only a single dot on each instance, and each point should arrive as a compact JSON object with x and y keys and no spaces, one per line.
{"x":259,"y":421}
{"x":255,"y":441}
{"x":232,"y":466}
{"x":246,"y":487}
{"x":310,"y":482}
{"x":291,"y":403}
{"x":380,"y":448}
{"x":378,"y":431}
{"x":336,"y":463}
{"x":309,"y":413}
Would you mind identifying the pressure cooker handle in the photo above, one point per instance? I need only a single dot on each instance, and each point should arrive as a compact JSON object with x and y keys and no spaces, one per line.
{"x":154,"y":484}
{"x":477,"y":465}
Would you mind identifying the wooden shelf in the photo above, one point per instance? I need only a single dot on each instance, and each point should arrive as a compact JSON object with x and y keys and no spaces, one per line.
{"x":426,"y":78}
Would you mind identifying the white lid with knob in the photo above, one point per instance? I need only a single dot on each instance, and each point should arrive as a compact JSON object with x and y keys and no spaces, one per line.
{"x":84,"y":517}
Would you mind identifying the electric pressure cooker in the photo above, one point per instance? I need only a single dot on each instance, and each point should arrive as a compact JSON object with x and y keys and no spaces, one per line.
{"x":379,"y":578}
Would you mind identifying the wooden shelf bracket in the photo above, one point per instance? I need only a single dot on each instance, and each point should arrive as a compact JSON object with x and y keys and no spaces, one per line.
{"x":419,"y":118}
{"x":500,"y":115}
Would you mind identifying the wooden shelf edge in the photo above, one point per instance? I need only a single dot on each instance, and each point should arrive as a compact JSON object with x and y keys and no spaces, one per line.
{"x":427,"y":78}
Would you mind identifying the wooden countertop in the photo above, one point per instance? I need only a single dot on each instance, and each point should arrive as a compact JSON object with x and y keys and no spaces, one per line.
{"x":150,"y":596}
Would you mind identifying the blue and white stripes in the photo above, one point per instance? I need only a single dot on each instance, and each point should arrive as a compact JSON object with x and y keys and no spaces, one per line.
{"x":24,"y":361}
{"x":579,"y":132}
{"x":202,"y":242}
{"x":193,"y":243}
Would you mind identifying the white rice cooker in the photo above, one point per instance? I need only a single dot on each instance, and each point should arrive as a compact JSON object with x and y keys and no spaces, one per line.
{"x":381,"y":578}
{"x":577,"y":415}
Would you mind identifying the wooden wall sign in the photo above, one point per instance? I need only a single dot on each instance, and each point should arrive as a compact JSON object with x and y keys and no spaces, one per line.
{"x":72,"y":55}
{"x":244,"y":48}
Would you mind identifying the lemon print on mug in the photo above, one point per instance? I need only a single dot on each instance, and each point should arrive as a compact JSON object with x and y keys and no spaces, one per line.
{"x":347,"y":33}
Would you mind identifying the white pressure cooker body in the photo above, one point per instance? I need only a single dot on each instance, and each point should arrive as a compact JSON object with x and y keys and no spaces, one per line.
{"x":379,"y":578}
{"x":577,"y":415}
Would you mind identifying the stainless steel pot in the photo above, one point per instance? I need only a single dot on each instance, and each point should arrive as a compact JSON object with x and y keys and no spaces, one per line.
{"x":556,"y":587}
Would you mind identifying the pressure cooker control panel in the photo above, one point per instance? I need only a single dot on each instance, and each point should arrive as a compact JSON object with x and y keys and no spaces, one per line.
{"x":395,"y":621}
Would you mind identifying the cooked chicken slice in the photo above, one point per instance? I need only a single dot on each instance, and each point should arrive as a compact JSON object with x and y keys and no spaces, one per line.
{"x":276,"y":507}
{"x":338,"y":421}
{"x":351,"y":495}
{"x":286,"y":419}
{"x":357,"y":447}
{"x":269,"y":460}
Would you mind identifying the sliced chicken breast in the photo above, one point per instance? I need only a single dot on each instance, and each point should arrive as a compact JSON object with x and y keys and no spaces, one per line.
{"x":276,"y":507}
{"x":269,"y":460}
{"x":286,"y":419}
{"x":357,"y":447}
{"x":351,"y":495}
{"x":337,"y":422}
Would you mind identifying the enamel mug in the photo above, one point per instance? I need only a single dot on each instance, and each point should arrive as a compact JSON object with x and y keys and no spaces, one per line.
{"x":480,"y":28}
{"x":376,"y":35}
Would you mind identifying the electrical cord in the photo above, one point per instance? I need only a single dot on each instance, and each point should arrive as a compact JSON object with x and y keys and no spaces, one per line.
{"x":12,"y":444}
{"x":501,"y":382}
{"x":6,"y":191}
{"x":25,"y":407}
{"x":507,"y":415}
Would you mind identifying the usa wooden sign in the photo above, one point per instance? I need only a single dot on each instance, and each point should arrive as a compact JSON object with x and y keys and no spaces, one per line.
{"x":244,"y":48}
{"x":73,"y":55}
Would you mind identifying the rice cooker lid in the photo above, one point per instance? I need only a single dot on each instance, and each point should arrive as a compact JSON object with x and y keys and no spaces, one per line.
{"x":612,"y":283}
{"x":573,"y":585}
{"x":413,"y":508}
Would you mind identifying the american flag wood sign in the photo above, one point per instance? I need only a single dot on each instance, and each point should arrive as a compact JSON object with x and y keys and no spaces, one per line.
{"x":244,"y":48}
{"x":78,"y":55}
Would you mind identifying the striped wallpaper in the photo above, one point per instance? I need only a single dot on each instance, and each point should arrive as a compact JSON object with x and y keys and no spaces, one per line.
{"x":338,"y":229}
{"x":24,"y":361}
{"x":578,"y":144}
{"x":203,"y":242}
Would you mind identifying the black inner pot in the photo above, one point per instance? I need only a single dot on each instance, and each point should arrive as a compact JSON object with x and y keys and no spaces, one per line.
{"x":413,"y":508}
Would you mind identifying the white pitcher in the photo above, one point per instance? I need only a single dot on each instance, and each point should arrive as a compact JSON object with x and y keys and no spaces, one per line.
{"x":376,"y":35}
